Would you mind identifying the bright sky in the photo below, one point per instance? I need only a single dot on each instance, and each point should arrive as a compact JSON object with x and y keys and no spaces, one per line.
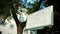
{"x":26,"y":3}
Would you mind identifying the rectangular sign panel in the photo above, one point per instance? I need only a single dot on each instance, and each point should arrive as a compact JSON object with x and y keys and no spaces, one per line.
{"x":41,"y":18}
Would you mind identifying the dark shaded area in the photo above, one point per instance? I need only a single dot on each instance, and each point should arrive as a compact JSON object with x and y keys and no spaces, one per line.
{"x":35,"y":8}
{"x":0,"y":32}
{"x":56,"y":28}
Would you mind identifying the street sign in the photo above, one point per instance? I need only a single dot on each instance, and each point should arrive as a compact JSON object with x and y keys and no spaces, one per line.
{"x":40,"y":18}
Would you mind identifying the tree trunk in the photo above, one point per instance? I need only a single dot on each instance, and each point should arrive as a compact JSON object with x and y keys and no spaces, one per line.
{"x":18,"y":23}
{"x":19,"y":29}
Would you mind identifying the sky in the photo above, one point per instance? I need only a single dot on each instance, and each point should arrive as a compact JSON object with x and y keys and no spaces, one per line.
{"x":28,"y":3}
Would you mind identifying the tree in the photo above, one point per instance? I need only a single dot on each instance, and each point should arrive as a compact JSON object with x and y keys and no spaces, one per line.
{"x":31,"y":5}
{"x":11,"y":6}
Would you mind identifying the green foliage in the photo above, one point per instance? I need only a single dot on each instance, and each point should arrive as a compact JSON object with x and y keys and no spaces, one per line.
{"x":6,"y":7}
{"x":35,"y":8}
